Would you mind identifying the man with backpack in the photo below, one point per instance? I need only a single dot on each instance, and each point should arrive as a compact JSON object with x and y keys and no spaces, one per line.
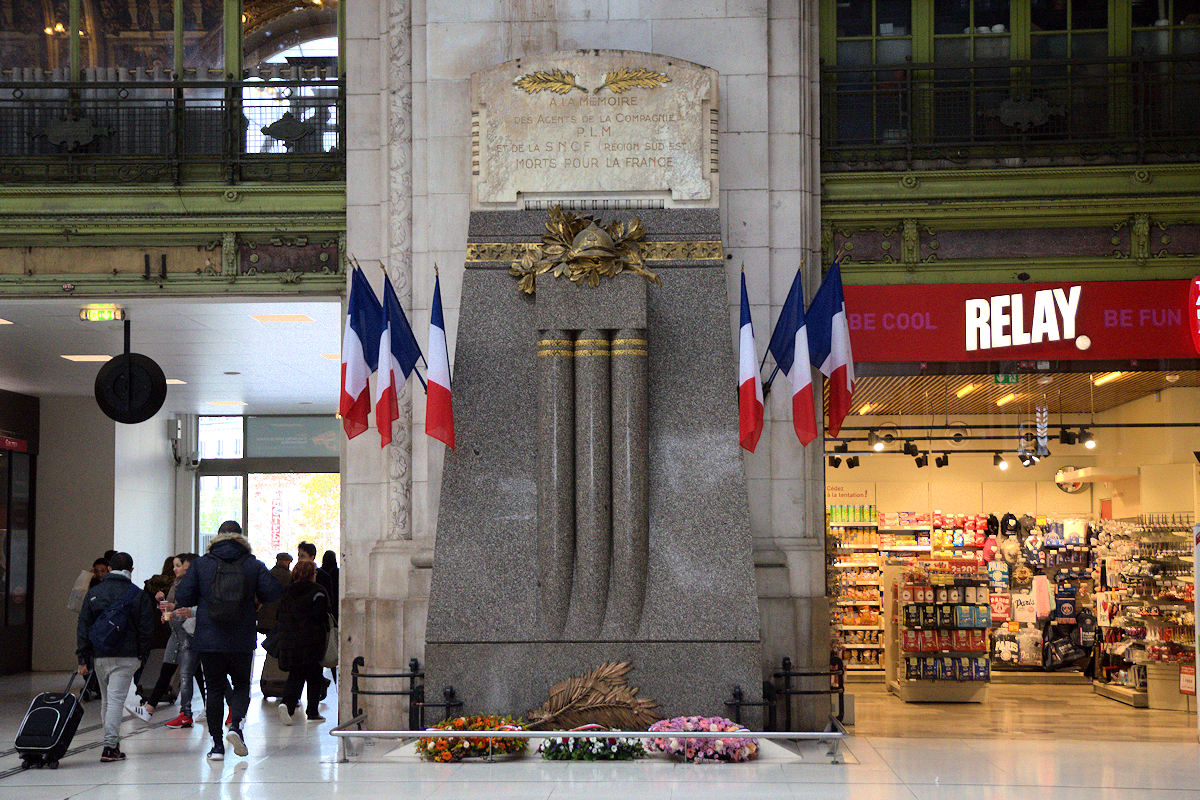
{"x":115,"y":625}
{"x":225,"y":583}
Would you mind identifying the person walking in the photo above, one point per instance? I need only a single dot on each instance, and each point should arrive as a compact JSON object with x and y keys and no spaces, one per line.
{"x":179,"y":653}
{"x":268,"y":613}
{"x":224,"y":585}
{"x":303,"y":626}
{"x":114,"y":629}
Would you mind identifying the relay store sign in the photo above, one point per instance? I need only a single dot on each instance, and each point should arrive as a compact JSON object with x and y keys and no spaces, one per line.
{"x":1044,"y":321}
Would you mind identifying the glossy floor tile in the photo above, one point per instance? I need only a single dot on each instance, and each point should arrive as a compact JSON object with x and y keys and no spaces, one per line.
{"x":1027,"y":743}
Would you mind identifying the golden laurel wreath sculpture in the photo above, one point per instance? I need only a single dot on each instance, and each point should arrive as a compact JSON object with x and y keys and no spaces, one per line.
{"x":560,"y":81}
{"x":577,"y":246}
{"x":601,"y":697}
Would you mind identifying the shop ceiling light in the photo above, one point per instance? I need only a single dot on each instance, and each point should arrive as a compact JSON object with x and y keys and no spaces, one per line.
{"x":966,"y":390}
{"x":875,"y":440}
{"x":999,"y":462}
{"x":942,"y":461}
{"x":834,"y":461}
{"x":1087,"y":439}
{"x":224,"y":403}
{"x":7,"y":322}
{"x":1008,"y":398}
{"x":282,"y":317}
{"x":1172,"y":378}
{"x":841,"y":447}
{"x":922,"y":460}
{"x":865,"y":409}
{"x":88,"y":358}
{"x":176,"y":382}
{"x":910,"y":448}
{"x":1105,"y":378}
{"x":852,"y":462}
{"x":1066,"y":436}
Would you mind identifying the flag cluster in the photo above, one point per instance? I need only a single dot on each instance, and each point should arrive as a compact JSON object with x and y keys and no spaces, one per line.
{"x":820,"y":338}
{"x":379,"y":339}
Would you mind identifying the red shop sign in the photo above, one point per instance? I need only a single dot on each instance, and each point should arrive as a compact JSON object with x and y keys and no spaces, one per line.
{"x":1008,"y":322}
{"x":16,"y":445}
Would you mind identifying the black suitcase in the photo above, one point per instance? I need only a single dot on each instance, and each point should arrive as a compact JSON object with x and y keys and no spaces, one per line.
{"x":48,"y":727}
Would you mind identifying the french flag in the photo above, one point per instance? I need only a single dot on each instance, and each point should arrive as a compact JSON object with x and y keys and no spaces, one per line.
{"x":750,"y":392}
{"x":360,"y":354}
{"x":398,"y":353}
{"x":789,"y":338}
{"x":439,"y":411}
{"x":829,"y":346}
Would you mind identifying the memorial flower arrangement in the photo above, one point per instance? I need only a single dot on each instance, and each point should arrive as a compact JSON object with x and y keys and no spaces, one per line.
{"x":455,"y":748}
{"x":697,"y":750}
{"x":600,"y":748}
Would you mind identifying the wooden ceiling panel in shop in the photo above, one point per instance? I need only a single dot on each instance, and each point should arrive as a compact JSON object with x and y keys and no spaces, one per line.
{"x":1067,"y":393}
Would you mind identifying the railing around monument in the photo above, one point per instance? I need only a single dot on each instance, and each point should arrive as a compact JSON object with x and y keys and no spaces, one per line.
{"x":351,"y":733}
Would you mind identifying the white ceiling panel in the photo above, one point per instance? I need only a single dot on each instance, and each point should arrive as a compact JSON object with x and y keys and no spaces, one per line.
{"x":281,"y":369}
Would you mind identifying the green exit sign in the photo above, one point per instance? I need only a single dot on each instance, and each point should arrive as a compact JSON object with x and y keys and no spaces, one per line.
{"x":1008,"y":377}
{"x":101,"y":314}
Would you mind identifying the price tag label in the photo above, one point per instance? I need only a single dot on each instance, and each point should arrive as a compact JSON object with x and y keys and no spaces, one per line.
{"x":1014,"y":626}
{"x":1187,"y":679}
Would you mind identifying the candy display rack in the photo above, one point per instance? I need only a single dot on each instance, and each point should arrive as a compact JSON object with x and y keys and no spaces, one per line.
{"x":937,"y":618}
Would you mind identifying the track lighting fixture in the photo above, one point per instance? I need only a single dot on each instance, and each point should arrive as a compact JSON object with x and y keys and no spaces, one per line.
{"x":922,"y":460}
{"x":999,"y":462}
{"x":1087,"y":439}
{"x":942,"y":460}
{"x":910,"y":448}
{"x":834,"y":461}
{"x":875,"y":440}
{"x":1066,"y":436}
{"x":852,"y":462}
{"x":841,"y":447}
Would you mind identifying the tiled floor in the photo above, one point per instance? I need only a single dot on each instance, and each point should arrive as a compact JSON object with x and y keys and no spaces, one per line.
{"x":1028,"y":743}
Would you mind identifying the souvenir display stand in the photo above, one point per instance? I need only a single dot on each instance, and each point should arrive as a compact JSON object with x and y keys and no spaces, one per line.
{"x":937,"y":618}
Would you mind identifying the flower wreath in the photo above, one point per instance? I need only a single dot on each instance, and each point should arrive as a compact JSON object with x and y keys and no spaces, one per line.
{"x":696,"y":750}
{"x":456,"y":748}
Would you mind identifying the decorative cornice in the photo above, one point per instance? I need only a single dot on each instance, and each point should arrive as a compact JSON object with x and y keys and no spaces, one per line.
{"x":506,"y":252}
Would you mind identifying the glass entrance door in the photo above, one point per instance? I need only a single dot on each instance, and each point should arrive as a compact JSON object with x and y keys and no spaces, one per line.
{"x":285,"y":509}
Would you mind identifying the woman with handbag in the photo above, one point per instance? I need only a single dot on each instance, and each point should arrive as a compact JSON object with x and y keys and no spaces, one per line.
{"x":303,"y":629}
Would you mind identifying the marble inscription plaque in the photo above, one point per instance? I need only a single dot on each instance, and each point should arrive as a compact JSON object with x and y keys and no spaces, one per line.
{"x":596,"y":122}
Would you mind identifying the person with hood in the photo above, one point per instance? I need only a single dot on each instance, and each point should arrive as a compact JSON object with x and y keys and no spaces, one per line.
{"x":224,"y":585}
{"x":268,"y":613}
{"x":117,"y":649}
{"x":303,"y":627}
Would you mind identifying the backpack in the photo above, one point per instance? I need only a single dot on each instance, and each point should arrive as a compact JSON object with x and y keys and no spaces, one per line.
{"x":108,"y":629}
{"x":228,"y":591}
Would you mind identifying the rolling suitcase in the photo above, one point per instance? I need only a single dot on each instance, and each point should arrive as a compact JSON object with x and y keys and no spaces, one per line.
{"x":48,"y":727}
{"x":273,"y":678}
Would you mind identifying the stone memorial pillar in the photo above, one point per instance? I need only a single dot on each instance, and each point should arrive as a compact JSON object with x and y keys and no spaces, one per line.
{"x":595,"y":507}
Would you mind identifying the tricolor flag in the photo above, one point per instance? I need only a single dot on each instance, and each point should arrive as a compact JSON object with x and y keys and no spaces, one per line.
{"x":398,"y":354}
{"x":439,"y":412}
{"x":360,"y":354}
{"x":789,"y":344}
{"x":750,"y":393}
{"x":829,"y":346}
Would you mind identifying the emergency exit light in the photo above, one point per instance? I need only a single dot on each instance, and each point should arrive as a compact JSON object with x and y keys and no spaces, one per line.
{"x":101,"y":314}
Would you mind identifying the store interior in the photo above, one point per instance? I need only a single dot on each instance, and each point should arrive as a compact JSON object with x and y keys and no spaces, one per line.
{"x":1031,"y":527}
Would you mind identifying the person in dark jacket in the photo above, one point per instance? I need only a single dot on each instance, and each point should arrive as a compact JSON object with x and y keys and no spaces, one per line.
{"x":115,"y":667}
{"x":303,"y":626}
{"x":226,"y":648}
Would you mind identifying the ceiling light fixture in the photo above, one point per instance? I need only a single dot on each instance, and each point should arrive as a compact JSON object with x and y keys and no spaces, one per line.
{"x":865,"y":409}
{"x":1087,"y":439}
{"x":852,"y":462}
{"x":942,"y":461}
{"x":224,"y":403}
{"x":1172,"y":378}
{"x":834,"y":461}
{"x":1008,"y":398}
{"x":966,"y":390}
{"x":88,"y":358}
{"x":998,"y":462}
{"x":1066,"y":436}
{"x":282,"y":317}
{"x":176,"y":382}
{"x":1105,"y":378}
{"x":8,"y":322}
{"x":841,"y":447}
{"x":922,"y":460}
{"x":910,"y":448}
{"x":874,"y":440}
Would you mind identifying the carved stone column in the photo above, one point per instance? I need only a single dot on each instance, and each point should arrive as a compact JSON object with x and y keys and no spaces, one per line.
{"x":556,"y":476}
